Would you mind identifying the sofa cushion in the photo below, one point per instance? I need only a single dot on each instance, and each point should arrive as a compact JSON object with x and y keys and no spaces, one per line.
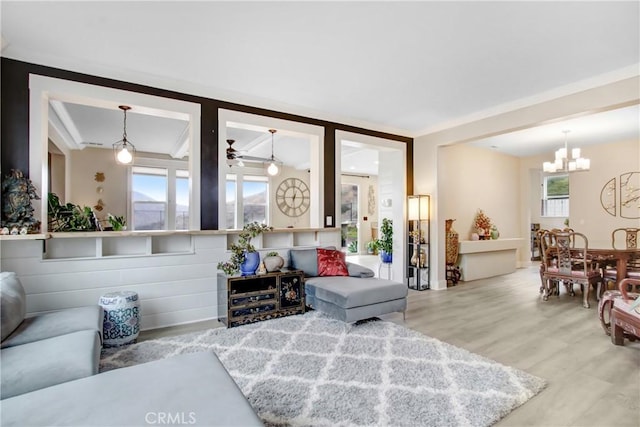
{"x":356,"y":270}
{"x":57,"y":323}
{"x":349,"y":292}
{"x":305,"y":260}
{"x":44,"y":363}
{"x":331,"y":262}
{"x":194,"y":389}
{"x":13,"y":305}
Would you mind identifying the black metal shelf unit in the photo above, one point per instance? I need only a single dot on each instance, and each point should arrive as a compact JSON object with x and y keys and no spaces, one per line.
{"x":419,"y":243}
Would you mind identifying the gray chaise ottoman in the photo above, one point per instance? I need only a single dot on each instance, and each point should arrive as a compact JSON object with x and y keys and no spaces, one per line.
{"x":190,"y":389}
{"x":355,"y":298}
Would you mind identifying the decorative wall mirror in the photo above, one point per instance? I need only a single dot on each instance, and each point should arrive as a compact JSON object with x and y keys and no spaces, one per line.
{"x":72,"y":129}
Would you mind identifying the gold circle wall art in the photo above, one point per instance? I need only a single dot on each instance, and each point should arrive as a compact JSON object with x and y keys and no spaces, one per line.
{"x":621,"y":195}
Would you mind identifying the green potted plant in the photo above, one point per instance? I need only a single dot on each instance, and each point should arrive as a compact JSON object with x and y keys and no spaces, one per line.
{"x":244,"y":257}
{"x":69,"y":217}
{"x":372,"y":248}
{"x":118,"y":223}
{"x":384,"y":244}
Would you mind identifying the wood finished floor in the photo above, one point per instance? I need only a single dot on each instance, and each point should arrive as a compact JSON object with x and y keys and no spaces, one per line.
{"x":591,"y":382}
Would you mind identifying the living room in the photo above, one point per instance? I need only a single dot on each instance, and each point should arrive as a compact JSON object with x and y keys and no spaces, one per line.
{"x":175,"y":280}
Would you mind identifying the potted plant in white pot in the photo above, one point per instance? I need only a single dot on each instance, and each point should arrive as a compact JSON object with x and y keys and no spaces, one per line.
{"x":384,"y":244}
{"x":273,"y":261}
{"x":244,"y":257}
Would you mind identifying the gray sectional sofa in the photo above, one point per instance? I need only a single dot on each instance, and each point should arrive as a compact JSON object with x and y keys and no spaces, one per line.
{"x":48,"y":377}
{"x":190,"y":389}
{"x":351,"y":298}
{"x":47,"y":349}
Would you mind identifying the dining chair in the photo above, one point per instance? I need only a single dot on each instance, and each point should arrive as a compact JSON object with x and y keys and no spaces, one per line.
{"x":632,"y":288}
{"x":548,"y":286}
{"x":546,"y":240}
{"x":572,"y":264}
{"x":542,"y":246}
{"x":622,"y":238}
{"x":630,"y":238}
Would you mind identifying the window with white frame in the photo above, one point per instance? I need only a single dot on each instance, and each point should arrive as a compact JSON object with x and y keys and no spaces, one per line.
{"x":247,"y":199}
{"x":160,"y":197}
{"x":555,"y":196}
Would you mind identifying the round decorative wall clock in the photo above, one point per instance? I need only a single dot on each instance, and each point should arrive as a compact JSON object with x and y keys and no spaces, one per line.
{"x":293,"y":197}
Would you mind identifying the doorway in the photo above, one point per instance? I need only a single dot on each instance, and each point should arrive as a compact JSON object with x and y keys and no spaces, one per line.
{"x":371,"y":186}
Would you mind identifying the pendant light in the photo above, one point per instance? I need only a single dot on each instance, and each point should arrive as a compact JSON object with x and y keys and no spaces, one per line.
{"x":273,"y":169}
{"x":562,"y":164}
{"x":123,"y":150}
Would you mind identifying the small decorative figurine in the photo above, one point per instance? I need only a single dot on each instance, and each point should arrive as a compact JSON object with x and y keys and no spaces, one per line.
{"x":262,"y":269}
{"x":17,"y":212}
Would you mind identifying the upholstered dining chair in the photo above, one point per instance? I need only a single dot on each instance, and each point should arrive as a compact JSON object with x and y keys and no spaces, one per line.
{"x":632,"y":288}
{"x":546,"y":239}
{"x":572,"y":264}
{"x":623,"y":238}
{"x":630,"y":238}
{"x":542,"y":247}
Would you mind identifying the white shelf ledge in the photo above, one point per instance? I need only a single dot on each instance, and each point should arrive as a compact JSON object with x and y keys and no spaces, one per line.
{"x":475,"y":246}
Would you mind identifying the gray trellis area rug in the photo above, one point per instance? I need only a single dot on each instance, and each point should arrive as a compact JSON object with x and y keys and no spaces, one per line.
{"x":309,"y":370}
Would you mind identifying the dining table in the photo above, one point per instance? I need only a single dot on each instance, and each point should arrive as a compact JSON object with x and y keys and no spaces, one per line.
{"x":604,"y":253}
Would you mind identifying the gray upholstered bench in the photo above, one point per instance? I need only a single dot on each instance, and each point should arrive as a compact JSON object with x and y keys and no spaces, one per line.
{"x":190,"y":389}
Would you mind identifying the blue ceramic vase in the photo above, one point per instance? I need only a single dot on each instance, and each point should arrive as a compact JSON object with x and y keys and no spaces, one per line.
{"x":386,"y":258}
{"x":250,"y":264}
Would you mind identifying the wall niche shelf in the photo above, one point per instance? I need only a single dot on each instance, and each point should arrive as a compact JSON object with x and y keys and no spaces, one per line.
{"x":107,"y":244}
{"x":111,"y":244}
{"x":285,"y":238}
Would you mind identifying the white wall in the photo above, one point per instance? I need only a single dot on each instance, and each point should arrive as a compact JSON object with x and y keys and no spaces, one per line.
{"x":83,"y":187}
{"x":586,"y":213}
{"x":277,"y":218}
{"x":494,"y":188}
{"x":174,"y":288}
{"x":583,"y":98}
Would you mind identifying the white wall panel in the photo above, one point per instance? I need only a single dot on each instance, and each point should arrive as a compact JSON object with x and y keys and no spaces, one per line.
{"x":173,"y":288}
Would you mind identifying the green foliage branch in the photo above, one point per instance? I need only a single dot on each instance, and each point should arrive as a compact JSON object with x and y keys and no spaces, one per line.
{"x":242,"y":246}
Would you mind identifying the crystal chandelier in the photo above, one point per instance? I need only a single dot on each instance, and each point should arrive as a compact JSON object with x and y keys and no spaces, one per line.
{"x":562,"y":162}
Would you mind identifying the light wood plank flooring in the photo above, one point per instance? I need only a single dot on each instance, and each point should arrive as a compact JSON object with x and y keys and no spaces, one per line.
{"x":591,"y":382}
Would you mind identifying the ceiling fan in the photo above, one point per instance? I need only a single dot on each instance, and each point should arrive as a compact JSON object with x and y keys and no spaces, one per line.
{"x":233,"y":154}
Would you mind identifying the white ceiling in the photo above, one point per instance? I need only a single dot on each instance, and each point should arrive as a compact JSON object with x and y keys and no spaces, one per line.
{"x":615,"y":125}
{"x":403,"y":67}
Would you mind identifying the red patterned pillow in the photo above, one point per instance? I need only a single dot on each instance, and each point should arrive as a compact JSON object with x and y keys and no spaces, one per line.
{"x":332,"y":262}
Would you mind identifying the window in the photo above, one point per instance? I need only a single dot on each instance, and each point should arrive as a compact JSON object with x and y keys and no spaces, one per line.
{"x":159,"y":198}
{"x":182,"y":199}
{"x":349,"y":217}
{"x":555,"y":196}
{"x":231,"y":204}
{"x":247,"y":199}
